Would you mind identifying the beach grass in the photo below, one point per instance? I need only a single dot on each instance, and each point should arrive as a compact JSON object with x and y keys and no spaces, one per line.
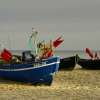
{"x":67,"y":85}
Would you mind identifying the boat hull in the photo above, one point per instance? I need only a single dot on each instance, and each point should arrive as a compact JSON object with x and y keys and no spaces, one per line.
{"x":31,"y":73}
{"x":89,"y":64}
{"x":67,"y":63}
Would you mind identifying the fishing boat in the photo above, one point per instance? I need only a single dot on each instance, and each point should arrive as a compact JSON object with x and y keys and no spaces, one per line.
{"x":67,"y":63}
{"x":31,"y":72}
{"x":29,"y":67}
{"x":89,"y":63}
{"x":93,"y":62}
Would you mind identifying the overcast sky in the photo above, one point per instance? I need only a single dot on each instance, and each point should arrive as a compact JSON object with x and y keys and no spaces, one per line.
{"x":77,"y":20}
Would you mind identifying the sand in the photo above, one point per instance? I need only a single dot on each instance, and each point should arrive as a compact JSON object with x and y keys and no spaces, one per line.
{"x":67,"y":85}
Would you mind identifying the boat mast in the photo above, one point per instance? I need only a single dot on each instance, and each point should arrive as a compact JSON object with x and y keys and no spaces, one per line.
{"x":33,"y":40}
{"x":9,"y":41}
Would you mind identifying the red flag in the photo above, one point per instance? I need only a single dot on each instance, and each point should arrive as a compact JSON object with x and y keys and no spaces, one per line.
{"x":57,"y":42}
{"x":96,"y":55}
{"x":47,"y":54}
{"x":6,"y":55}
{"x":89,"y":52}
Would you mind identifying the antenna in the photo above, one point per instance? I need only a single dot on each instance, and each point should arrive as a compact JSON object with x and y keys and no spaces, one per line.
{"x":33,"y":41}
{"x":9,"y":41}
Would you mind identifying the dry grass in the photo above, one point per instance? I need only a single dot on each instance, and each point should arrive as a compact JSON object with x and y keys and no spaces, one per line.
{"x":67,"y":85}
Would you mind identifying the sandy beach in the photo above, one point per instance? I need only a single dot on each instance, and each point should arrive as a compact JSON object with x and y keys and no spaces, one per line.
{"x":67,"y":85}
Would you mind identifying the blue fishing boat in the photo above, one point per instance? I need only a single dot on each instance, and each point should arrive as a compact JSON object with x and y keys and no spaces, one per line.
{"x":31,"y":72}
{"x":28,"y":67}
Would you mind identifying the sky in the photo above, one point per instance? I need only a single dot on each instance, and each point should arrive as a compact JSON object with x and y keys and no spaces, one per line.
{"x":78,"y":21}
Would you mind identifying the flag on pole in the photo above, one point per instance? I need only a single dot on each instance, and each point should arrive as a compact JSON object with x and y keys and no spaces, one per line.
{"x":89,"y":52}
{"x":6,"y":55}
{"x":96,"y":56}
{"x":57,"y":42}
